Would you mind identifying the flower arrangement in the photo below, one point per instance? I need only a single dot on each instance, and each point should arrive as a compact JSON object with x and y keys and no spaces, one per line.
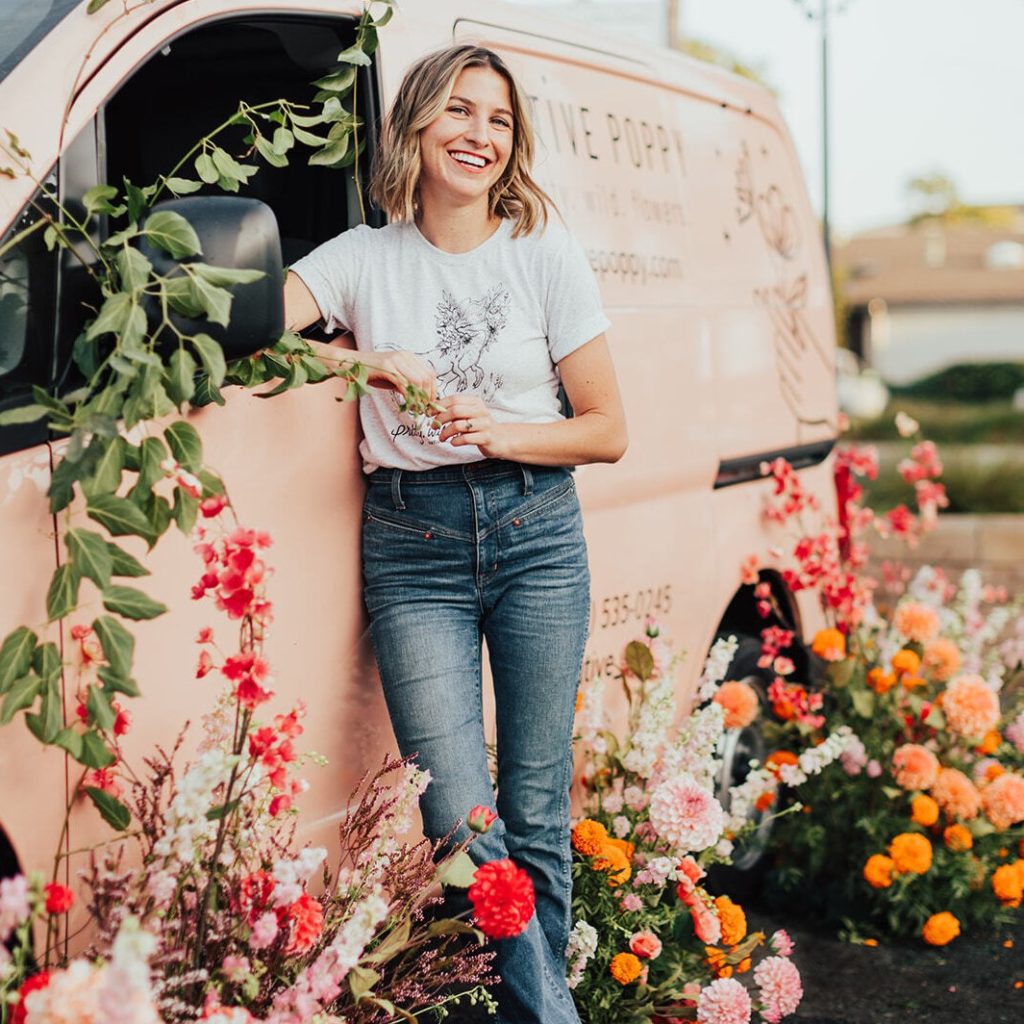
{"x":650,"y":942}
{"x":214,"y":915}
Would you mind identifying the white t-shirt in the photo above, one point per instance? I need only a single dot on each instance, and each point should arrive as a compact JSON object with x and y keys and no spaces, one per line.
{"x":493,"y":322}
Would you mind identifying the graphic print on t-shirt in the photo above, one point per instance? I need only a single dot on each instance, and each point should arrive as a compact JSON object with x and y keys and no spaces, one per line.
{"x":466,"y":330}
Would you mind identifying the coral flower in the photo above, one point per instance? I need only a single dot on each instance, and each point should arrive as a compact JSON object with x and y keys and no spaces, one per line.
{"x":1003,"y":801}
{"x":956,"y":794}
{"x":588,"y":836}
{"x":1008,"y":883}
{"x":740,"y":702}
{"x":911,"y":852}
{"x":916,"y":622}
{"x":906,"y":662}
{"x":829,"y":645}
{"x":940,"y":929}
{"x":881,"y":681}
{"x":733,"y":920}
{"x":971,"y":706}
{"x":724,"y":1001}
{"x":625,"y":968}
{"x":924,"y":810}
{"x":503,"y":899}
{"x":612,"y":858}
{"x":916,"y":767}
{"x":307,"y":922}
{"x":958,"y":838}
{"x":775,"y":760}
{"x":778,"y":982}
{"x":645,"y":945}
{"x":942,"y":659}
{"x":878,"y":871}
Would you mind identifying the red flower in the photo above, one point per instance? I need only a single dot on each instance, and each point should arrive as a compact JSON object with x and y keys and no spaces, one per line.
{"x":254,"y":893}
{"x":307,"y":921}
{"x":503,"y":899}
{"x":123,"y":722}
{"x":205,"y":664}
{"x":213,"y":506}
{"x":481,"y":818}
{"x":205,"y":635}
{"x":33,"y":984}
{"x":59,"y":898}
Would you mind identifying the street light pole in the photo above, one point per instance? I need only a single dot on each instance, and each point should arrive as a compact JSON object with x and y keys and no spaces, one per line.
{"x":825,"y":229}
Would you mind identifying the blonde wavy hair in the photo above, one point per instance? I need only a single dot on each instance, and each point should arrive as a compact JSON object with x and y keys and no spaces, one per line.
{"x":424,"y":93}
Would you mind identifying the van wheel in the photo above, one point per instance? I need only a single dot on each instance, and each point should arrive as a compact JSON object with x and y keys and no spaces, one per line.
{"x":738,"y":749}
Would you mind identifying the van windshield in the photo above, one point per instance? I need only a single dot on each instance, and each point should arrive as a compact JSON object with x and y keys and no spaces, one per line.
{"x":23,"y":23}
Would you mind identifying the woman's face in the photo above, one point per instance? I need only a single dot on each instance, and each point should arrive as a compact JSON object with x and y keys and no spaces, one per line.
{"x":465,"y":150}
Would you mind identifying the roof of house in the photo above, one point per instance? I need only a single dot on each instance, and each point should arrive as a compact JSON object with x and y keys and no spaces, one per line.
{"x":931,"y":263}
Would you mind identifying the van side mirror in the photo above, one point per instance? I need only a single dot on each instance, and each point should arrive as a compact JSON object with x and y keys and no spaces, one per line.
{"x":240,"y":234}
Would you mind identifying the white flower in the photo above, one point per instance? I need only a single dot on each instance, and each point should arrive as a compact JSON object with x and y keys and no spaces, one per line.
{"x":906,"y":425}
{"x":581,"y":947}
{"x":718,"y":661}
{"x":621,"y":827}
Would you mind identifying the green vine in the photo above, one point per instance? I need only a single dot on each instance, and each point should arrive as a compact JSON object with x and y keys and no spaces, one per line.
{"x":138,"y":366}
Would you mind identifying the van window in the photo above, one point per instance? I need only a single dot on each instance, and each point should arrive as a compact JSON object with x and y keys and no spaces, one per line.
{"x":27,"y":281}
{"x":25,"y":22}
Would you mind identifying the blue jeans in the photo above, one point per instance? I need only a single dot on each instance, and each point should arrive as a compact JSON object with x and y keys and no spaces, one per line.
{"x":491,"y":550}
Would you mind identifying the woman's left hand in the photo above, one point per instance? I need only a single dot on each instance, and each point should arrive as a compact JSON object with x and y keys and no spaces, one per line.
{"x":466,"y":420}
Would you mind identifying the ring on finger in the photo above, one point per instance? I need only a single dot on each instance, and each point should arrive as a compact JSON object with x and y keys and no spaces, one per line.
{"x":469,"y":426}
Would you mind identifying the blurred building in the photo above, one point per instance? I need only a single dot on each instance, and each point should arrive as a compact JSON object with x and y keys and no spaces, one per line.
{"x":924,"y":296}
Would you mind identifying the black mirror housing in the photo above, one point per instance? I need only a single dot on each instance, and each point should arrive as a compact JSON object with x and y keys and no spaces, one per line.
{"x":241,"y":234}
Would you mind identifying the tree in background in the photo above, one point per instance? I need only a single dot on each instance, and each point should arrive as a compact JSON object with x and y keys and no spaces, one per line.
{"x":936,"y":198}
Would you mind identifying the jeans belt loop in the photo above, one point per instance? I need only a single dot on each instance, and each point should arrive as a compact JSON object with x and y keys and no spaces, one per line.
{"x":396,"y":490}
{"x":527,"y":480}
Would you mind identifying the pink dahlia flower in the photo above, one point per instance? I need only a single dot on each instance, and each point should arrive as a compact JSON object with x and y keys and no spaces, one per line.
{"x":686,"y":815}
{"x":971,"y":706}
{"x":915,"y":767}
{"x":724,"y":1001}
{"x":780,"y":988}
{"x":1003,"y":801}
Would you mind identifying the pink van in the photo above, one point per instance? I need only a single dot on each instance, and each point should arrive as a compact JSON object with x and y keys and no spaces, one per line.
{"x":681,"y":183}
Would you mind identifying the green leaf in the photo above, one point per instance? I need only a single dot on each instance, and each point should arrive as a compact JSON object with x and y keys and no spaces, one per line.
{"x":449,"y":926}
{"x":183,"y":186}
{"x":212,"y":484}
{"x":330,"y":155}
{"x":221,"y":810}
{"x":21,"y":695}
{"x":354,"y":55}
{"x":71,"y":741}
{"x":215,"y":302}
{"x":172,"y":233}
{"x":393,"y":943}
{"x":46,"y":662}
{"x":97,"y":200}
{"x":138,"y":199}
{"x":106,"y":477}
{"x":308,"y":137}
{"x":180,"y":376}
{"x":95,"y":5}
{"x":117,"y":643}
{"x":89,"y":555}
{"x":23,"y":414}
{"x":117,"y":683}
{"x":981,"y":827}
{"x":206,"y":392}
{"x":100,"y":712}
{"x":86,"y":356}
{"x":182,"y":297}
{"x":124,"y":564}
{"x":113,"y":812}
{"x":131,"y":603}
{"x":863,"y":702}
{"x":185,"y":510}
{"x":62,"y":489}
{"x":152,"y":452}
{"x":361,"y":981}
{"x":384,"y":18}
{"x":118,"y":516}
{"x":339,"y":82}
{"x":62,"y":595}
{"x":224,"y":277}
{"x":206,"y":170}
{"x":16,"y":656}
{"x":283,"y":140}
{"x":212,"y":357}
{"x":113,"y":316}
{"x":458,"y":871}
{"x":134,"y":268}
{"x":230,"y":168}
{"x":639,"y":660}
{"x":266,"y":150}
{"x":185,"y":445}
{"x":95,"y":753}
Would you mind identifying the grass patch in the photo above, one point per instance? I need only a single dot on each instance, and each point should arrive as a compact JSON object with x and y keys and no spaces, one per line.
{"x":947,"y":422}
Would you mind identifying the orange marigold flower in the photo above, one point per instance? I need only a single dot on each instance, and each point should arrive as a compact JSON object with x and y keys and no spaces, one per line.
{"x":909,"y":682}
{"x":942,"y":659}
{"x":1008,"y":883}
{"x":906,"y":662}
{"x":881,"y":681}
{"x":775,"y":760}
{"x":911,"y":852}
{"x":870,"y":942}
{"x":924,"y":810}
{"x":733,"y":920}
{"x":915,"y":621}
{"x":716,"y":961}
{"x":878,"y":871}
{"x":613,"y":859}
{"x":764,"y":801}
{"x":625,"y":968}
{"x":916,"y":767}
{"x":1003,"y":800}
{"x":940,"y":929}
{"x":993,"y":771}
{"x":624,"y":845}
{"x":588,"y":836}
{"x":956,"y":794}
{"x":743,"y":966}
{"x":740,"y":703}
{"x":971,"y":706}
{"x":989,"y":743}
{"x":958,"y":838}
{"x":829,"y":644}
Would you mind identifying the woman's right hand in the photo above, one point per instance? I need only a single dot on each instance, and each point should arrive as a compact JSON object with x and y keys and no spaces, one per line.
{"x":394,"y":369}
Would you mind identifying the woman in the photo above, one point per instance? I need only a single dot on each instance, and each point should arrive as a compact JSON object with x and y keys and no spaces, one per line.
{"x":471,"y":526}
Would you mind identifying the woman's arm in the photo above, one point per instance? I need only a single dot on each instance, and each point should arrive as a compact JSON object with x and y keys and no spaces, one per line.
{"x":596,"y":433}
{"x":390,"y":370}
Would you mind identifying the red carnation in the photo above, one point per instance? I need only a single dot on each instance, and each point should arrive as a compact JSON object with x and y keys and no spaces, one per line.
{"x":33,"y":984}
{"x":59,"y":898}
{"x":307,"y":920}
{"x":502,"y":898}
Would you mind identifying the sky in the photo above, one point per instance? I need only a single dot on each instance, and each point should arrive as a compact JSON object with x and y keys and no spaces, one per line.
{"x":916,"y":86}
